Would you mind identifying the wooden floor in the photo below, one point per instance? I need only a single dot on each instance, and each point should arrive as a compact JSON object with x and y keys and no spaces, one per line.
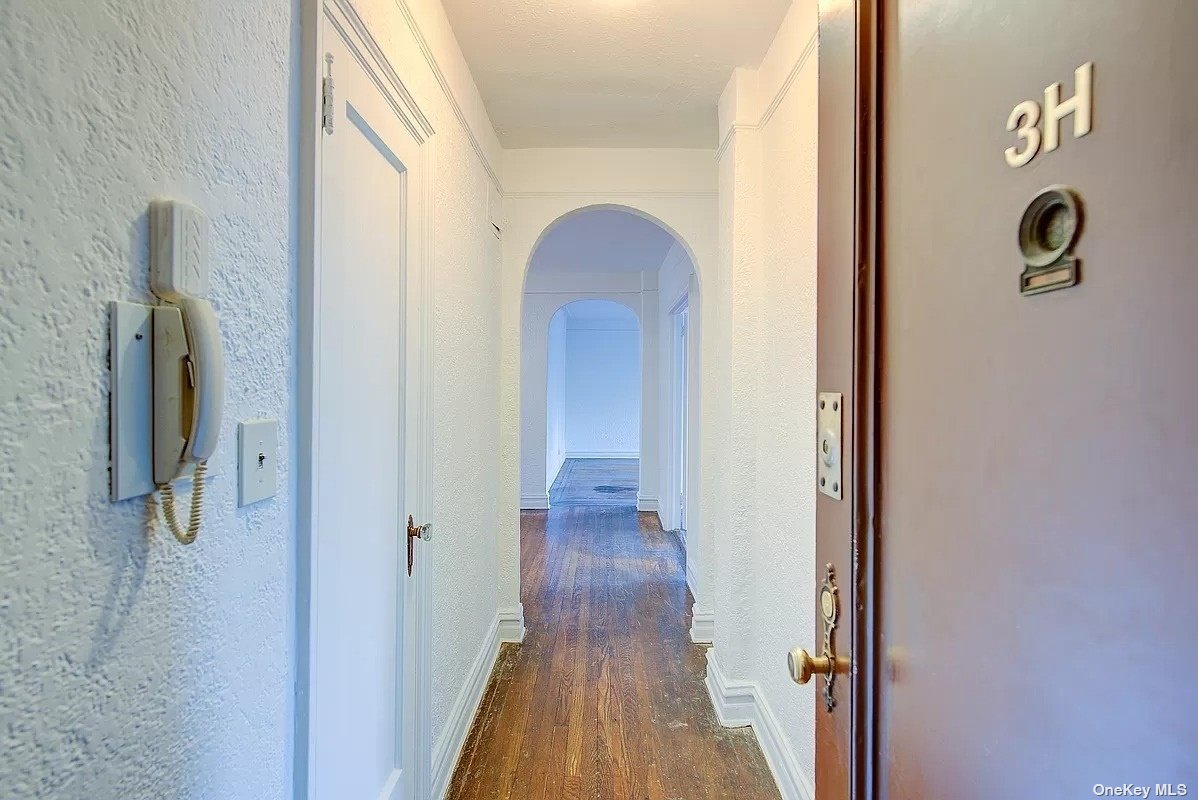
{"x":605,"y":698}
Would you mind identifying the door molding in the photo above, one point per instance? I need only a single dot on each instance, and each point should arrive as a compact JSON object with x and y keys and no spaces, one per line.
{"x":848,"y":360}
{"x":419,"y":299}
{"x":864,"y":459}
{"x":866,"y":407}
{"x":677,"y":395}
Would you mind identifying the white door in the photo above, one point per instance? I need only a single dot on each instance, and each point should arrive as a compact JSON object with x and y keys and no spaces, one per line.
{"x":365,"y":474}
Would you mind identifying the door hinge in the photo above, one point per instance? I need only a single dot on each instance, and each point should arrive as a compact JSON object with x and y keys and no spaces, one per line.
{"x":327,"y":109}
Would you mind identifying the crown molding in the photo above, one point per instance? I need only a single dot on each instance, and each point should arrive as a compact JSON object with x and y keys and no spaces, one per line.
{"x":406,"y":11}
{"x":775,"y":101}
{"x":784,"y":88}
{"x":354,"y":32}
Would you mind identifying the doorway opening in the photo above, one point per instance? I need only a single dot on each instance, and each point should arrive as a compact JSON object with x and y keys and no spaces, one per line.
{"x":678,"y":431}
{"x":593,"y":404}
{"x":616,"y":257}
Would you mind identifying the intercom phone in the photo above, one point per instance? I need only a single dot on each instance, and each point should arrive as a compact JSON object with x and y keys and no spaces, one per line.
{"x":168,"y":371}
{"x":189,"y":371}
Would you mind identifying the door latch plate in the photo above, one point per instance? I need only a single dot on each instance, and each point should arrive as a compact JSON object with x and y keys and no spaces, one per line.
{"x":828,"y":435}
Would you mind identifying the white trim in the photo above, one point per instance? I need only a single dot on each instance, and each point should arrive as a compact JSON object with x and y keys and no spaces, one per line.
{"x":784,"y":88}
{"x":602,"y":454}
{"x":692,"y":579}
{"x":380,"y":70}
{"x":646,"y":503}
{"x":733,"y":129}
{"x":448,"y":748}
{"x":740,"y":704}
{"x":733,"y":702}
{"x":534,"y":502}
{"x":702,"y":624}
{"x":447,"y":90}
{"x":393,"y":788}
{"x":775,"y":101}
{"x":511,"y":624}
{"x":424,"y":640}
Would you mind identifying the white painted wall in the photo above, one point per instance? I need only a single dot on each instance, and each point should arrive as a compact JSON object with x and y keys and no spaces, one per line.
{"x":765,"y":580}
{"x":603,"y":381}
{"x":138,"y":668}
{"x":135,"y":667}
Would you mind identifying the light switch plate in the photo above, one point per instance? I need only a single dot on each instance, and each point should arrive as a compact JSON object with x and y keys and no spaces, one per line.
{"x":258,"y":453}
{"x":828,"y":457}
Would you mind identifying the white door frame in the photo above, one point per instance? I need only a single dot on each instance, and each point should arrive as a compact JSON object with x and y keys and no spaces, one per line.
{"x":679,"y":370}
{"x":418,"y":298}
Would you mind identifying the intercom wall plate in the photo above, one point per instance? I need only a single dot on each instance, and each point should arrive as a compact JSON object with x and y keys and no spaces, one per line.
{"x":258,"y":453}
{"x":131,"y":397}
{"x":828,"y":455}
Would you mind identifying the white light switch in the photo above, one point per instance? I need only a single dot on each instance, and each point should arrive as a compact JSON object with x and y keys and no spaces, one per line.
{"x":258,"y":446}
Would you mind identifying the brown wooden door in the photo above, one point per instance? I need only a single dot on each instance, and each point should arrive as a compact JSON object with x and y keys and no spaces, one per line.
{"x":1022,"y":613}
{"x":1039,"y":454}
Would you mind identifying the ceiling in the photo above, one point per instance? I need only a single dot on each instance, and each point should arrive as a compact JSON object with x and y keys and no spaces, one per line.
{"x":609,"y":73}
{"x":602,"y":240}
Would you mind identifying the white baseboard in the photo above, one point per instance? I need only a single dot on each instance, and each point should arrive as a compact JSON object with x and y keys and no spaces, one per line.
{"x":646,"y":503}
{"x":461,"y":716}
{"x":534,"y":502}
{"x":702,"y":626}
{"x":511,"y":624}
{"x":692,"y":580}
{"x":739,"y":704}
{"x":602,"y":454}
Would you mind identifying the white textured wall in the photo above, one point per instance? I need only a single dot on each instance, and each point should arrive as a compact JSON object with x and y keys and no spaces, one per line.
{"x":765,"y":582}
{"x":132,"y":667}
{"x":136,"y":668}
{"x":603,"y":387}
{"x":784,"y":567}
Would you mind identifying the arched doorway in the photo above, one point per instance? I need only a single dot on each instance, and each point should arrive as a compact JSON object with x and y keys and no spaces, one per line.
{"x":531,"y":219}
{"x":621,"y":254}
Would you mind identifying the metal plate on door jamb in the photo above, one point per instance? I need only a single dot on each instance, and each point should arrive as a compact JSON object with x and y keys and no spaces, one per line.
{"x":828,"y":447}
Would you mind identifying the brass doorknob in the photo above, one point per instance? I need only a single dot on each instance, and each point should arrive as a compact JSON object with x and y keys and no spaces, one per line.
{"x":803,"y":665}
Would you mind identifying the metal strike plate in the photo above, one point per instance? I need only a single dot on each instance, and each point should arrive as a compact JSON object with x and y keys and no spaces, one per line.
{"x":828,"y":435}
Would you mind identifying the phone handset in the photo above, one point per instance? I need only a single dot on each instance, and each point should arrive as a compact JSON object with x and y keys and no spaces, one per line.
{"x":189,"y":373}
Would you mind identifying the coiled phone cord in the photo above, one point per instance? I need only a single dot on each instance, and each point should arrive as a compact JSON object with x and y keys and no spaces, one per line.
{"x":185,"y":535}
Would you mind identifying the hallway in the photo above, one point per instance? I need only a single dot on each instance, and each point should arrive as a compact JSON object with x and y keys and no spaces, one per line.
{"x":605,"y":697}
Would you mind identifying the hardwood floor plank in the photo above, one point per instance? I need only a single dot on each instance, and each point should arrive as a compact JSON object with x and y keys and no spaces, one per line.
{"x":604,"y":700}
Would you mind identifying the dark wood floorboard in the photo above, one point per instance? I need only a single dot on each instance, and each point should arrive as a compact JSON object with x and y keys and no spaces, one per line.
{"x":605,"y":699}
